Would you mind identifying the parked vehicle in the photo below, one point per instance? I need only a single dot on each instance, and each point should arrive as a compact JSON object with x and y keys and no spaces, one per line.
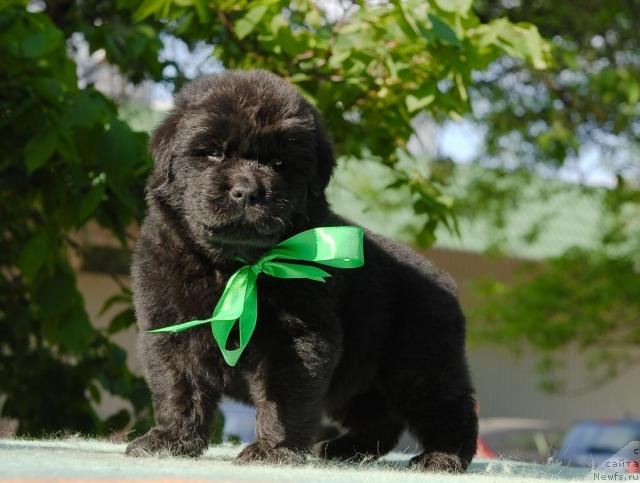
{"x":592,"y":442}
{"x":521,"y":439}
{"x":485,"y":451}
{"x":518,"y":439}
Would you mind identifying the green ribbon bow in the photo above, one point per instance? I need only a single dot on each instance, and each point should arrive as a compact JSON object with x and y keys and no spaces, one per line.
{"x":335,"y":246}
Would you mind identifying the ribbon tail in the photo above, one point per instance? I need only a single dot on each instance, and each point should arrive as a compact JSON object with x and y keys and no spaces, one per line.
{"x":247,"y":319}
{"x":182,"y":326}
{"x":221,"y":330}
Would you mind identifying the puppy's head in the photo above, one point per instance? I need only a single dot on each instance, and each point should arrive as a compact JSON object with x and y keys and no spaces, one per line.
{"x":241,"y":159}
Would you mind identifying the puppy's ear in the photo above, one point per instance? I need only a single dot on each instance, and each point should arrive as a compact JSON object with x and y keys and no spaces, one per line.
{"x":161,"y":146}
{"x":325,"y":158}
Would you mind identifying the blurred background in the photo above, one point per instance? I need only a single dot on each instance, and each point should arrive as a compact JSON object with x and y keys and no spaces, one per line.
{"x":501,"y":138}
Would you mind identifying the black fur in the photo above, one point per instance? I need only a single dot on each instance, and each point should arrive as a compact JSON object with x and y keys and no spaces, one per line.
{"x":377,"y":349}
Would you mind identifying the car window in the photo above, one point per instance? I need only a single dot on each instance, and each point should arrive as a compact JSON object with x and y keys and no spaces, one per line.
{"x":581,"y":436}
{"x":604,"y":438}
{"x":613,"y":438}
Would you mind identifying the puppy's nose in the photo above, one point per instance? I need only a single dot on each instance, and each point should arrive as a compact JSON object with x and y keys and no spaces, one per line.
{"x":245,"y":191}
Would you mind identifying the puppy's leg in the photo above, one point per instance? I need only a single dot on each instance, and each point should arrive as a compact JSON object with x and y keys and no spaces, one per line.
{"x":447,"y":430}
{"x":372,"y":431}
{"x":439,"y":410}
{"x":184,"y":403}
{"x":287,"y":391}
{"x":288,"y":412}
{"x":428,"y":380}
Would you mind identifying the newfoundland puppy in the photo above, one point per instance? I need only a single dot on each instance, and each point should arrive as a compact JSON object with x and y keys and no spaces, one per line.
{"x":241,"y":163}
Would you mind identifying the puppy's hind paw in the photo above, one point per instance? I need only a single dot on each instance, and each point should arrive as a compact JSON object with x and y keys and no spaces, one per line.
{"x":437,"y":461}
{"x":265,"y":453}
{"x":158,"y":442}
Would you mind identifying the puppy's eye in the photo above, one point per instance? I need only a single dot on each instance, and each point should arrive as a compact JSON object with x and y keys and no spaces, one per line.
{"x":275,"y":162}
{"x":215,"y":155}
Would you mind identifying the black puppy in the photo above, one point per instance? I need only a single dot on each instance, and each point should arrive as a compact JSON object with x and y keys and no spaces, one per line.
{"x":242,"y":162}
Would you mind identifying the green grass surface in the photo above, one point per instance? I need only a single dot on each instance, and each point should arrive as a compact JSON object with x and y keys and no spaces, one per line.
{"x":79,"y":459}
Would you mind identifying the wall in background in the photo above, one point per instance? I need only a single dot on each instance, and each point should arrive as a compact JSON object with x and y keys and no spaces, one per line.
{"x":506,"y":387}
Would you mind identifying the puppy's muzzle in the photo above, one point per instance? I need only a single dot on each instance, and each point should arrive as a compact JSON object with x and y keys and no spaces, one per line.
{"x":246,"y":191}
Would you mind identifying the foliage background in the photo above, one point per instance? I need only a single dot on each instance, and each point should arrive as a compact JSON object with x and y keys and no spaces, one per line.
{"x":68,"y":158}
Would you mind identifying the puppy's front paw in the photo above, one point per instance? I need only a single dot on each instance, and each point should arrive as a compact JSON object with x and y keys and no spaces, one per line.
{"x":262,"y":452}
{"x":439,"y":461}
{"x":158,"y":442}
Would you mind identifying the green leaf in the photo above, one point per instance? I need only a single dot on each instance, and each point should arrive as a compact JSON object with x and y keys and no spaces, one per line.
{"x":518,"y":40}
{"x":87,"y":110}
{"x":398,"y":183}
{"x":48,"y":88}
{"x":95,"y":393}
{"x":57,"y":294}
{"x":442,"y":31}
{"x":202,"y":8}
{"x":33,"y":255}
{"x":117,"y":151}
{"x":120,"y":298}
{"x":406,"y":21}
{"x":456,"y":6}
{"x":245,"y":25}
{"x":425,"y":238}
{"x":290,"y":44}
{"x":415,"y":104}
{"x":89,"y":203}
{"x":421,"y":97}
{"x":535,"y":48}
{"x":39,"y":149}
{"x":123,"y":320}
{"x":147,"y":8}
{"x":41,"y":43}
{"x":77,"y":333}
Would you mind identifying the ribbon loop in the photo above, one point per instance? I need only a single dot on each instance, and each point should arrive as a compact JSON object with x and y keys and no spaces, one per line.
{"x":335,"y":246}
